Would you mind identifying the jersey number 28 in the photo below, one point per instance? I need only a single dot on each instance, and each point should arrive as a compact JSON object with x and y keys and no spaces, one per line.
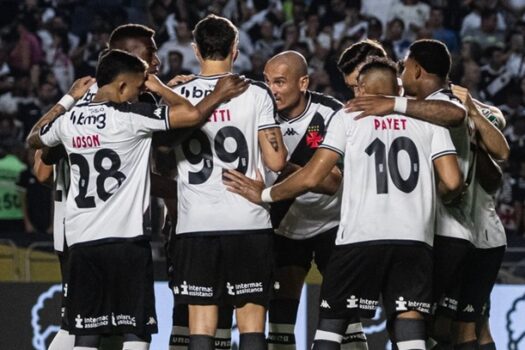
{"x":84,"y":201}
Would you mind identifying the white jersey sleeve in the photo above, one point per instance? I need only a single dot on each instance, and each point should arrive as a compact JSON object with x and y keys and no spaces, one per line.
{"x":441,"y":142}
{"x":336,"y":133}
{"x":267,"y":116}
{"x":50,"y":133}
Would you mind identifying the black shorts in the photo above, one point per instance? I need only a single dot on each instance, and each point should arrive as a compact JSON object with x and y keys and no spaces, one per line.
{"x":223,"y":270}
{"x":62,"y":259}
{"x":357,"y":275}
{"x":480,"y":275}
{"x":110,"y":289}
{"x":450,"y":258}
{"x":300,"y":252}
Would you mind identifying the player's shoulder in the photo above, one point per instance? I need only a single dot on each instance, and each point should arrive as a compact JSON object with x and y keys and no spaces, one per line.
{"x":324,"y":100}
{"x":444,"y":95}
{"x":259,"y":88}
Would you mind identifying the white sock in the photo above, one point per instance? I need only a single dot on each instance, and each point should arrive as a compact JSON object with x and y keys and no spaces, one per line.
{"x":62,"y":341}
{"x":135,"y":345}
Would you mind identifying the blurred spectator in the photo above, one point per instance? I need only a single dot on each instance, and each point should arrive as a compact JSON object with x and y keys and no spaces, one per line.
{"x":515,"y":64}
{"x":182,"y":44}
{"x":36,"y":200}
{"x":267,"y":43}
{"x":394,"y":35}
{"x":257,"y":60}
{"x":27,"y":50}
{"x":488,"y":33}
{"x":11,"y":215}
{"x":439,"y":32}
{"x":377,"y":8}
{"x":375,"y":29}
{"x":58,"y":59}
{"x":414,"y":14}
{"x":352,"y":25}
{"x":472,"y":21}
{"x":175,"y":60}
{"x":494,"y":76}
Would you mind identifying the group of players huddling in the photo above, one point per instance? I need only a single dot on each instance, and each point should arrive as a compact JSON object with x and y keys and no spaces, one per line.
{"x":411,"y":221}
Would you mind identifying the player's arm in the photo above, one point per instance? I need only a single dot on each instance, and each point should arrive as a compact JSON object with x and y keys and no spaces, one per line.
{"x":162,"y":187}
{"x":491,"y":137}
{"x":182,"y":113}
{"x":329,"y":185}
{"x":302,"y":181}
{"x":273,"y":150}
{"x":43,"y":172}
{"x":488,"y":172}
{"x":436,"y":112}
{"x":450,"y":184}
{"x":77,"y":90}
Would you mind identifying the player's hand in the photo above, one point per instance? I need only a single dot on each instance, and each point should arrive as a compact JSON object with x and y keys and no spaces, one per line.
{"x":250,"y":189}
{"x":460,"y":92}
{"x":80,"y":87}
{"x":370,"y":105}
{"x":231,"y":86}
{"x":153,"y":83}
{"x":180,"y":79}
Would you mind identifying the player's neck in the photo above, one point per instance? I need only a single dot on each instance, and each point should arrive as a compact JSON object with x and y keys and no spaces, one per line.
{"x":104,"y":95}
{"x":295,"y":110}
{"x":209,"y":67}
{"x":428,"y":87}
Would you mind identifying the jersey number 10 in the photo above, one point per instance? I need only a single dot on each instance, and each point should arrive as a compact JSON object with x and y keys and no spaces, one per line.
{"x":378,"y":148}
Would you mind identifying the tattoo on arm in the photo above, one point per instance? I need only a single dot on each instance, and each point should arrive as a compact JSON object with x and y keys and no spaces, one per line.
{"x":271,"y":137}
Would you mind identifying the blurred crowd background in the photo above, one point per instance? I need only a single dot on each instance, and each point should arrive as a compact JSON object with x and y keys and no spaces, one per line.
{"x":45,"y":45}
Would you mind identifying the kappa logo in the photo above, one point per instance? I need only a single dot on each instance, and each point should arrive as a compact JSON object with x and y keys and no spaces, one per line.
{"x":352,"y":302}
{"x":469,"y":308}
{"x":158,"y":112}
{"x":230,"y":288}
{"x":78,"y":322}
{"x":401,"y":304}
{"x":151,"y":322}
{"x":325,"y":305}
{"x":290,"y":132}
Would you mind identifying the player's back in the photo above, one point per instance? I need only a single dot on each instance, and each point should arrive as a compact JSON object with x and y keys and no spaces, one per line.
{"x":389,"y":189}
{"x":108,"y":147}
{"x":228,"y":140}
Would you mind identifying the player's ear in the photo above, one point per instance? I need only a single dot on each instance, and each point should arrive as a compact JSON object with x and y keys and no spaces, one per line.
{"x":235,"y":51}
{"x":304,"y":81}
{"x":418,"y":71}
{"x":197,"y":52}
{"x":122,"y":87}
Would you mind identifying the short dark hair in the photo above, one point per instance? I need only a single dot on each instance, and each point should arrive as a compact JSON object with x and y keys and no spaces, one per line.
{"x":129,"y":31}
{"x":432,"y":55}
{"x":116,"y":62}
{"x":379,"y":63}
{"x":215,"y":37}
{"x":357,"y":53}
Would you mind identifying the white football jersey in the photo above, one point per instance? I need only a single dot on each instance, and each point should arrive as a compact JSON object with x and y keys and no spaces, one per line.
{"x":61,"y":180}
{"x":108,"y":146}
{"x":311,"y":213}
{"x":455,"y":221}
{"x":228,"y":140}
{"x":389,"y":191}
{"x":488,"y":229}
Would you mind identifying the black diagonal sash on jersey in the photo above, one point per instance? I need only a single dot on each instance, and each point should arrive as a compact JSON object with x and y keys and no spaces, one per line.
{"x":302,"y":153}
